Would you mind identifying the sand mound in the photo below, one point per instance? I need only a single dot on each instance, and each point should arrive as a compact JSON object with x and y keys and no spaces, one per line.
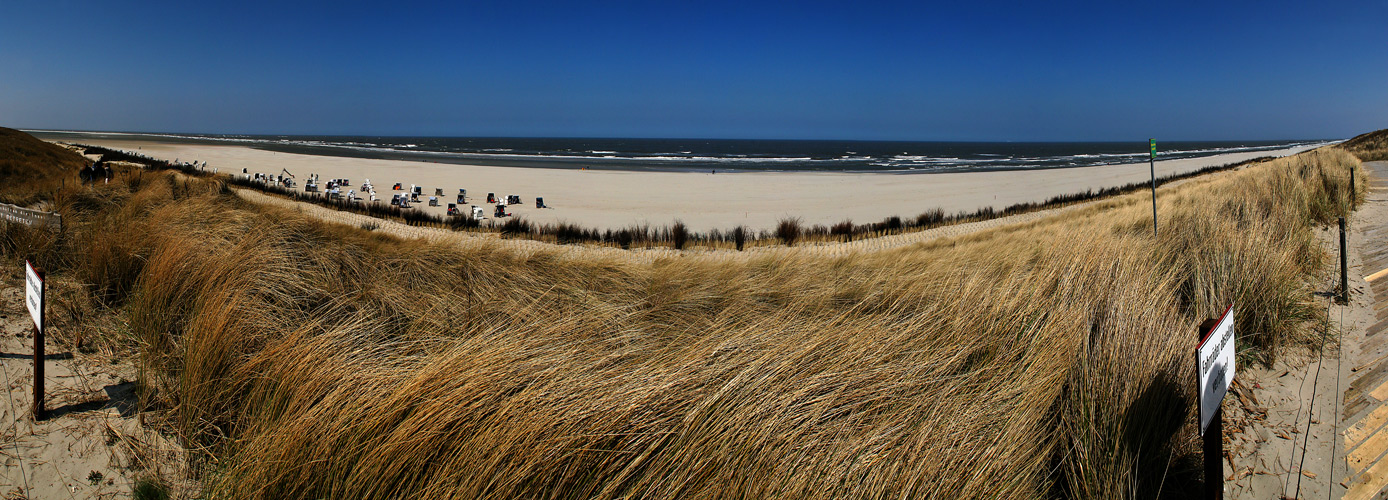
{"x":23,"y":155}
{"x":1372,"y":146}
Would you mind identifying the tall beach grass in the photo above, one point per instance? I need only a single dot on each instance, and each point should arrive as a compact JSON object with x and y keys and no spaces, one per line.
{"x":1047,"y":360}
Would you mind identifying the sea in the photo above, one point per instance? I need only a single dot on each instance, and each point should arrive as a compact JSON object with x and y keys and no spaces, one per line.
{"x":727,"y":155}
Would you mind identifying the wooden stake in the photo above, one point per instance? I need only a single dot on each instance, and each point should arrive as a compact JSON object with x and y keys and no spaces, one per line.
{"x":1344,"y":266}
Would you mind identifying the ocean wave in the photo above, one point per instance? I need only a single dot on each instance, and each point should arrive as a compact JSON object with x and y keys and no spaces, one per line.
{"x":961,"y":159}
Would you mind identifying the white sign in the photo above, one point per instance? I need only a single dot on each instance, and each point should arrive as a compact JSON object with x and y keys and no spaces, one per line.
{"x":1216,"y":358}
{"x":33,"y":294}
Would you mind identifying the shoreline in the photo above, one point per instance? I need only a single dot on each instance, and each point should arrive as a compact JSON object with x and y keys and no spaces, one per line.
{"x":707,"y":161}
{"x":612,"y":199}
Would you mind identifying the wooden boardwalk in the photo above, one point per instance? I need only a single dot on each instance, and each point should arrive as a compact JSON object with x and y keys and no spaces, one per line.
{"x":1366,"y":400}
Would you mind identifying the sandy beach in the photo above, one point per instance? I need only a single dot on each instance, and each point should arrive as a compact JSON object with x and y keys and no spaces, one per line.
{"x":704,"y":201}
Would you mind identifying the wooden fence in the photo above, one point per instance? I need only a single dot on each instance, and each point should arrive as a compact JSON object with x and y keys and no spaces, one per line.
{"x":31,"y":218}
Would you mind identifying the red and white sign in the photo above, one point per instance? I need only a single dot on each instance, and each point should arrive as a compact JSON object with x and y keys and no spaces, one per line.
{"x":1216,"y":357}
{"x":33,"y":293}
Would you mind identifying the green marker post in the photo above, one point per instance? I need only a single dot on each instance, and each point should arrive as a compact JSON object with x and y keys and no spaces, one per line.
{"x":1152,"y":163}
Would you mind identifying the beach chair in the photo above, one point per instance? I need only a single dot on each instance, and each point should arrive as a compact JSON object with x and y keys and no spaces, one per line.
{"x":397,"y":187}
{"x":478,"y":213}
{"x":539,"y":202}
{"x":512,"y":199}
{"x":452,"y":209}
{"x":500,"y":211}
{"x":438,"y":191}
{"x":491,"y":197}
{"x":433,"y":201}
{"x":462,"y":199}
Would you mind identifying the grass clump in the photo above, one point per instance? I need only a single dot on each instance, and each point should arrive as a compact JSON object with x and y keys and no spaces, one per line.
{"x":843,"y":230}
{"x":679,"y":235}
{"x":788,"y":230}
{"x":148,"y":488}
{"x":516,"y":226}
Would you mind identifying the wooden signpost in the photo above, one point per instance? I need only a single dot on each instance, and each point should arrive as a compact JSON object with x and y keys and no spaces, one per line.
{"x":34,"y":300}
{"x":1215,"y":368}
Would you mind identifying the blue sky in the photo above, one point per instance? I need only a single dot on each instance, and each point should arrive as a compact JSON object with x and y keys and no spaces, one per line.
{"x":853,"y":70}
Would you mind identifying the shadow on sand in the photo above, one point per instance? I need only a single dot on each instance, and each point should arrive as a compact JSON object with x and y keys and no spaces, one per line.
{"x":49,"y":357}
{"x":119,"y":396}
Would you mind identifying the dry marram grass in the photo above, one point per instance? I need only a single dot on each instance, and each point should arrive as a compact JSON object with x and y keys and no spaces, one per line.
{"x":1051,"y":359}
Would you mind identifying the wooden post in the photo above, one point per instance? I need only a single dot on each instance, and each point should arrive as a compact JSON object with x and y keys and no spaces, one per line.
{"x":1212,"y":442}
{"x":1344,"y":266}
{"x":38,"y":373}
{"x":39,"y":355}
{"x":1353,"y":190}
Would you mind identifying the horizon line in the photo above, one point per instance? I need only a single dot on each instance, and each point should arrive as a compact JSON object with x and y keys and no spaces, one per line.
{"x":653,"y":138}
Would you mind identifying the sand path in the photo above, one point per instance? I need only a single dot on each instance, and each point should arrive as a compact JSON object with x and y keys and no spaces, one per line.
{"x":1313,"y":424}
{"x":1363,"y":434}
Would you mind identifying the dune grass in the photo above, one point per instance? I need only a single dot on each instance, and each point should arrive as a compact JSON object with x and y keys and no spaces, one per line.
{"x":1372,"y":146}
{"x":1047,"y":360}
{"x":30,"y":167}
